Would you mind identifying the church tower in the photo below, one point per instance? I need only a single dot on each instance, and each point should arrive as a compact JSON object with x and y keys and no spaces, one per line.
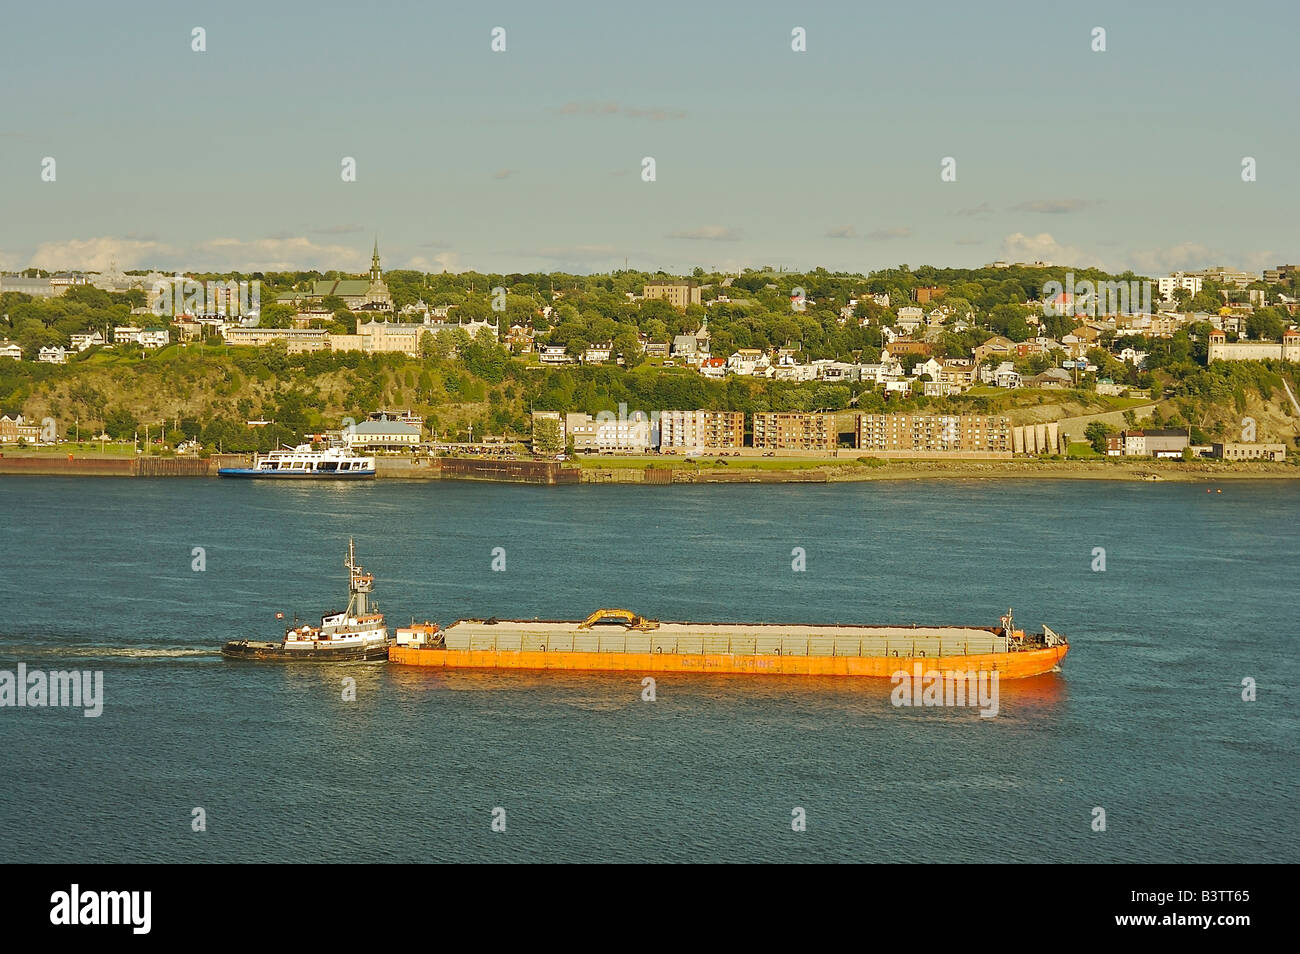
{"x":377,"y":296}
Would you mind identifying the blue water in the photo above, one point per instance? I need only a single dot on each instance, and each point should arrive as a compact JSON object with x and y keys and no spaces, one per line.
{"x":1146,"y":721}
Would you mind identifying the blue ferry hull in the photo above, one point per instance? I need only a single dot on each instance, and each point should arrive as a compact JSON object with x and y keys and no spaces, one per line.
{"x":288,"y":474}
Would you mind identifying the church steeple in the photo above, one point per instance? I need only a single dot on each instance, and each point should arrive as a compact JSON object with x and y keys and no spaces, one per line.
{"x":375,"y":274}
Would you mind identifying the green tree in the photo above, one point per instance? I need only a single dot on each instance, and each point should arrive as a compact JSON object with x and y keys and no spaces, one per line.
{"x":546,"y":436}
{"x":1097,"y":433}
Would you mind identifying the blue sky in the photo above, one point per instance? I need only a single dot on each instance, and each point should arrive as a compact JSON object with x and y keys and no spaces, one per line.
{"x":530,"y":159}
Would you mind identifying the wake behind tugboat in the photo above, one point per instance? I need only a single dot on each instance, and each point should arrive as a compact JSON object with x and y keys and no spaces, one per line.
{"x":356,"y":634}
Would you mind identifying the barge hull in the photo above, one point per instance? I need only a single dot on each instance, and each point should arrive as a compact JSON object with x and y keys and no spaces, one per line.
{"x":1008,"y":665}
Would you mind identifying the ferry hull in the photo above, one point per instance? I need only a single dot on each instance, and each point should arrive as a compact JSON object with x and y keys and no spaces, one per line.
{"x":249,"y":472}
{"x":1012,"y":665}
{"x":273,"y":652}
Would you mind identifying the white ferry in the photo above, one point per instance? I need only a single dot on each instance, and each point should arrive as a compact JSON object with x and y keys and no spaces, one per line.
{"x":302,"y":461}
{"x":357,"y":633}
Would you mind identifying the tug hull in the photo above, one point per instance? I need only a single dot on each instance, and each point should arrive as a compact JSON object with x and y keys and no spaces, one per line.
{"x":274,"y":652}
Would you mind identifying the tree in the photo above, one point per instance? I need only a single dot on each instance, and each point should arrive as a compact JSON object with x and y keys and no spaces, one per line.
{"x":546,"y":436}
{"x":1265,"y":324}
{"x":120,"y":423}
{"x":1097,"y":433}
{"x":1009,"y":320}
{"x":276,"y":315}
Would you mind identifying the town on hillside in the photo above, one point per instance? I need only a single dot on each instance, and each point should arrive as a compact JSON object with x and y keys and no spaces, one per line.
{"x":1009,"y":359}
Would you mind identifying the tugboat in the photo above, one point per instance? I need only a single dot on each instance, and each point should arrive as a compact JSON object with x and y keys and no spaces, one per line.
{"x":356,"y":634}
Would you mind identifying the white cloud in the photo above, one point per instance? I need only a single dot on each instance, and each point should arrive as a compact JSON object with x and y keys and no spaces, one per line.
{"x":888,"y":235}
{"x":709,"y":233}
{"x":443,"y":261}
{"x":280,"y":252}
{"x":1191,"y":256}
{"x":101,"y":254}
{"x":1173,"y":258}
{"x":273,"y":254}
{"x":1019,"y":247}
{"x":842,"y":232}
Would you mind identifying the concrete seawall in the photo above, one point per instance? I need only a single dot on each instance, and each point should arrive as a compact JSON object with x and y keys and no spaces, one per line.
{"x":72,"y":466}
{"x":423,"y":468}
{"x":547,"y":472}
{"x":50,"y":466}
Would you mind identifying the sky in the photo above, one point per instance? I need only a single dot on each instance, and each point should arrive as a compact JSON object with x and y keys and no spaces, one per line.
{"x":531,"y":159}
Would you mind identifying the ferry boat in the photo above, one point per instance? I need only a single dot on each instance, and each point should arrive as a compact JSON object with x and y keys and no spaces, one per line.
{"x":618,"y":640}
{"x":304,"y":462}
{"x":356,"y":634}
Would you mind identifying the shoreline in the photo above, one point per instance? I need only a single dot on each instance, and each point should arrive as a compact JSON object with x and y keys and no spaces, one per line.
{"x":821,"y":472}
{"x":1143,"y":471}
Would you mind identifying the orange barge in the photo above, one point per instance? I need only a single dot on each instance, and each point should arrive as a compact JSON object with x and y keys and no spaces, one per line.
{"x":612,"y":640}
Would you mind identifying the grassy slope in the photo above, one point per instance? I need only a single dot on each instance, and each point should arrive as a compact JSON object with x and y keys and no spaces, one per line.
{"x":179,"y":382}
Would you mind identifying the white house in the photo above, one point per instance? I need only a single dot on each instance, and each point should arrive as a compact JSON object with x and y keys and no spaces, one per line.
{"x":910,"y":318}
{"x":10,"y":349}
{"x":746,"y":361}
{"x":1133,"y":357}
{"x":554,"y":354}
{"x":145,"y":337}
{"x":86,"y":340}
{"x":1006,"y":376}
{"x":930,"y":366}
{"x":715,"y":368}
{"x":787,"y":369}
{"x":155,"y":337}
{"x":381,"y":434}
{"x":887,"y":370}
{"x":55,"y":355}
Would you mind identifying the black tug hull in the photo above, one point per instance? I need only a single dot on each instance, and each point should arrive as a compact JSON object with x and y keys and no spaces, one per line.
{"x":274,"y":652}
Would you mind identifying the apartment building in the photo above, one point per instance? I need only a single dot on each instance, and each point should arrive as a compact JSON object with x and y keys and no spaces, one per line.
{"x":608,"y":433}
{"x":679,"y":294}
{"x":934,"y":432}
{"x":693,"y":431}
{"x":792,"y":430}
{"x":1175,"y":280}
